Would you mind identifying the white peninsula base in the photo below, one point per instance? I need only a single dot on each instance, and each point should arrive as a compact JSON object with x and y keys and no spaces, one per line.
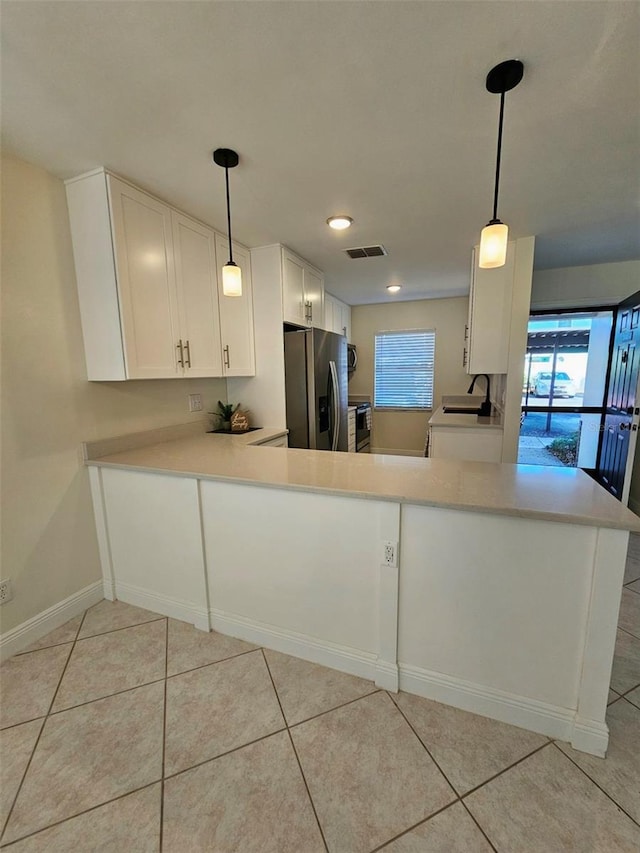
{"x":506,"y":616}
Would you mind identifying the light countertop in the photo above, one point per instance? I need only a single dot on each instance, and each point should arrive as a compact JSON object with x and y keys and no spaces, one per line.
{"x":440,"y":418}
{"x":553,"y":494}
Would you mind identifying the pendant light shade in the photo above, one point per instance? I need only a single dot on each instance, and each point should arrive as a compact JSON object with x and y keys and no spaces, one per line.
{"x":231,"y":272}
{"x":231,"y":279}
{"x":493,"y":245}
{"x":495,"y":235}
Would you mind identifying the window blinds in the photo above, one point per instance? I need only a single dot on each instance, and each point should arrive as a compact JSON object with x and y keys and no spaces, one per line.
{"x":404,"y":363}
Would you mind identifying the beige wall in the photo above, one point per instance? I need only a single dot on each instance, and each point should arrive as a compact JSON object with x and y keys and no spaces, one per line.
{"x":407,"y":430}
{"x":578,"y":287}
{"x":49,"y":545}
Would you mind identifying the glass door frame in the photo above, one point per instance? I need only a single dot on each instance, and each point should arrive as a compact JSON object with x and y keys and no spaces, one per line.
{"x":586,"y":410}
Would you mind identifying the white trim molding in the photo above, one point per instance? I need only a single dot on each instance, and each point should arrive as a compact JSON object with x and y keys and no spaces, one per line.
{"x":550,"y":720}
{"x":590,"y":736}
{"x":184,"y":611}
{"x":102,"y":533}
{"x":343,"y":658}
{"x":48,"y":620}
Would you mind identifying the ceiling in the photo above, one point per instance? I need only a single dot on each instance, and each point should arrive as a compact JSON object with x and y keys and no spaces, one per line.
{"x":374,"y":109}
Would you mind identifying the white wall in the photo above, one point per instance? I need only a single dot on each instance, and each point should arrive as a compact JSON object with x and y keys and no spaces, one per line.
{"x":577,"y":287}
{"x":406,"y":431}
{"x":49,"y":545}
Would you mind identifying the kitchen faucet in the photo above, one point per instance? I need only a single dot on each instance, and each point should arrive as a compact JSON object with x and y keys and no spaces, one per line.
{"x":485,"y":408}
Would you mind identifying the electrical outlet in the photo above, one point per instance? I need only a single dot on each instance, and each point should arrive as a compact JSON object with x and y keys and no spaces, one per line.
{"x":6,"y":591}
{"x":195,"y":402}
{"x":390,"y":554}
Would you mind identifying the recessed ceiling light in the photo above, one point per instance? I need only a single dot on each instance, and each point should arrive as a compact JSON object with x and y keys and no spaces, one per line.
{"x":394,"y":288}
{"x":339,"y":222}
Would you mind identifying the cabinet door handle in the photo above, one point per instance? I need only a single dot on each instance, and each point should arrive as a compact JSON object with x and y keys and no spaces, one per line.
{"x":227,"y":360}
{"x":181,"y":359}
{"x":188,"y":349}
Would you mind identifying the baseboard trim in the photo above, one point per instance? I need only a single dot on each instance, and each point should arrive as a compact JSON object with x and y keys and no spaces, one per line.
{"x":550,"y":720}
{"x":387,"y":675}
{"x":590,"y":736}
{"x":175,"y":608}
{"x":344,"y":658}
{"x":39,"y":626}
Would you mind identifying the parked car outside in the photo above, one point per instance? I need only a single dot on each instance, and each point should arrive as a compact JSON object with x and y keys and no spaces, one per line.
{"x":562,"y":387}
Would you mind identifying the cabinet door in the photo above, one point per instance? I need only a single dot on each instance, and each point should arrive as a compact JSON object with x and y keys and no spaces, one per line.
{"x":479,"y":445}
{"x":343,"y":319}
{"x":155,"y":541}
{"x":197,"y":290}
{"x":346,"y":320}
{"x":236,"y":314}
{"x":490,"y":316}
{"x":293,"y":307}
{"x":329,"y":309}
{"x":314,"y":297}
{"x":143,"y":250}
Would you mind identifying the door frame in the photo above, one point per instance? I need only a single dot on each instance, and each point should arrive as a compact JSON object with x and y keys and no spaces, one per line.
{"x":629,"y":302}
{"x":580,"y":410}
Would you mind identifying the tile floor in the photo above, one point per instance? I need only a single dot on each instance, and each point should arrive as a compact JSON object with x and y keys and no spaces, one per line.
{"x":126,"y":731}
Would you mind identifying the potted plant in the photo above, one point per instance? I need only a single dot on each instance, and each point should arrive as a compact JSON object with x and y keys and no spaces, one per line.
{"x":224,"y":413}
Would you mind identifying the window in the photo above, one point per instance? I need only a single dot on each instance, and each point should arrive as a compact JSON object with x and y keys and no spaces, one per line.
{"x":404,"y":369}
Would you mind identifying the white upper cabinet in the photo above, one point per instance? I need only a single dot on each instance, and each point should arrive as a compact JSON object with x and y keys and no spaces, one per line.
{"x":337,"y":316}
{"x":293,"y":301}
{"x":236,"y":314}
{"x":487,"y":334}
{"x":314,"y":297}
{"x":146,"y":281}
{"x":200,"y":348}
{"x":148,"y":287}
{"x":302,"y":292}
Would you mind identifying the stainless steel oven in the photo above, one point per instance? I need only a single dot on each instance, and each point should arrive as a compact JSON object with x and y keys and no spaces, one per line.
{"x":363,"y":428}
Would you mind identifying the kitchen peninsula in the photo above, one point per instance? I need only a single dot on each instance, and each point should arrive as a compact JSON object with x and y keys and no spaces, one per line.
{"x":491,"y":587}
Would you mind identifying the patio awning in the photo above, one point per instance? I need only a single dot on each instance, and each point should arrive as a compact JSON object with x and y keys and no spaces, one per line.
{"x":560,"y":340}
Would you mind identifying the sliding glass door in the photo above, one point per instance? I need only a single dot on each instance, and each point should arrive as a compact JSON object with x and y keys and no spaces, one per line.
{"x":563,"y":387}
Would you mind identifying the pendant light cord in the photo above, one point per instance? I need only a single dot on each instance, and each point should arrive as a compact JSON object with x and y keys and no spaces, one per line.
{"x":499,"y":154}
{"x":226,"y":178}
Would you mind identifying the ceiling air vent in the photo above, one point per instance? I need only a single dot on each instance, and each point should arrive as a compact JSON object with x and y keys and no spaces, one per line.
{"x":366,"y":252}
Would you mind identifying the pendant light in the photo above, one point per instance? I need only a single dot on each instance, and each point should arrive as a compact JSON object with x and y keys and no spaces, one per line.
{"x":493,"y":242}
{"x":231,"y":273}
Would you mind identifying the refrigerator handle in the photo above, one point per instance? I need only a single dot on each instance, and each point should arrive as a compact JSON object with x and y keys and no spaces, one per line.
{"x":336,"y":404}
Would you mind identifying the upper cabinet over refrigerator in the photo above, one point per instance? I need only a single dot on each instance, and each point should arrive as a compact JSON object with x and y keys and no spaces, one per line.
{"x":302,"y":292}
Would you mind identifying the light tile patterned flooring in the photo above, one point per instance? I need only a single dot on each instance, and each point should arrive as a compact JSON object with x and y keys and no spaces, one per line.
{"x":126,"y":731}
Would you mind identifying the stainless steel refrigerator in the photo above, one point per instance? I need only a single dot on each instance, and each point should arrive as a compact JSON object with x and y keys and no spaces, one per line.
{"x":315,"y":366}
